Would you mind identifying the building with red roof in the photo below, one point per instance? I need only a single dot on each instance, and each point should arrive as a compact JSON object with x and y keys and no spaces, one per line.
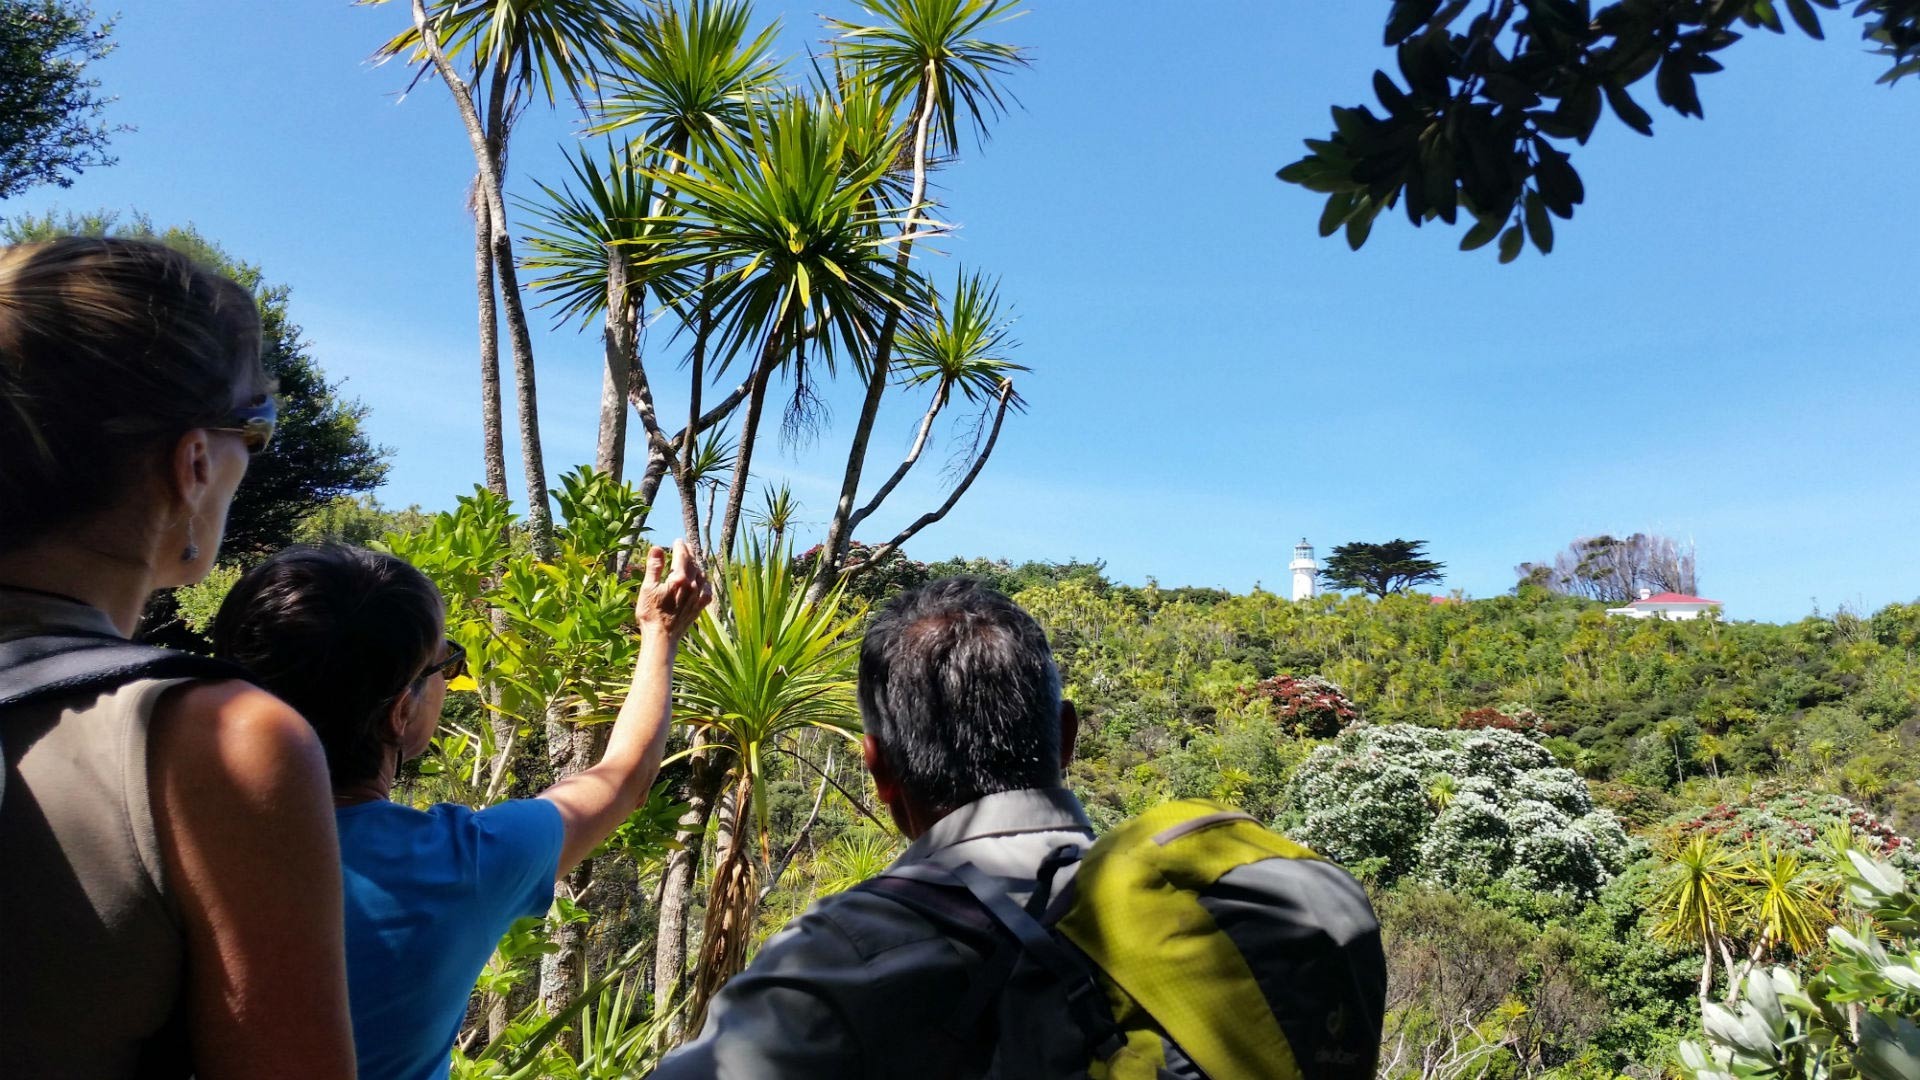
{"x":1666,"y":605}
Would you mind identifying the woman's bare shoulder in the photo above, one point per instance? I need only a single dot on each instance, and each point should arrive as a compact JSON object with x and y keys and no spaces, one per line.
{"x":232,"y":730}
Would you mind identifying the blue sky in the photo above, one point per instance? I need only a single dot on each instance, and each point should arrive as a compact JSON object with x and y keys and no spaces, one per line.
{"x":1717,"y":349}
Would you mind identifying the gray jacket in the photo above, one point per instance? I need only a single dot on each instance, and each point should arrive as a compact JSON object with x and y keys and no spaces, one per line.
{"x":861,"y":986}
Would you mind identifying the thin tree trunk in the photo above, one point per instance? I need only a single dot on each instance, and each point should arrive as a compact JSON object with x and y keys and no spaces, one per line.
{"x":684,"y":445}
{"x":840,"y":529}
{"x":619,"y":338}
{"x":570,"y":749}
{"x":779,"y":869}
{"x":1726,"y":961}
{"x":731,"y":902}
{"x":649,"y":491}
{"x":658,"y":468}
{"x":492,"y":427}
{"x":539,"y":517}
{"x":677,"y":880}
{"x":653,"y":476}
{"x":727,"y":819}
{"x":660,"y":449}
{"x":953,"y":497}
{"x":623,"y":333}
{"x":539,"y":514}
{"x":684,"y":484}
{"x":688,"y":442}
{"x":719,"y":583}
{"x":833,"y":551}
{"x":497,"y":1016}
{"x":1706,"y":973}
{"x":906,"y":464}
{"x":743,"y":457}
{"x":505,"y":728}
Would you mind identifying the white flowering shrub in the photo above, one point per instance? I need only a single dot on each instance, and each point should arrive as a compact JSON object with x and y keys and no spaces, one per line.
{"x":1457,"y":808}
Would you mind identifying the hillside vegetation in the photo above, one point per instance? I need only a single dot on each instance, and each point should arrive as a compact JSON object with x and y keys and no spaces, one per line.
{"x":1577,"y":828}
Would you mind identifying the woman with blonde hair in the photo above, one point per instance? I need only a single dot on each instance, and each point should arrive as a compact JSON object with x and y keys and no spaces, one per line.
{"x":169,"y":873}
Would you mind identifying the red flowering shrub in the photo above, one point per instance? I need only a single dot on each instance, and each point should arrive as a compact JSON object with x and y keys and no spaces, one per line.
{"x":1799,"y":822}
{"x":892,"y":575}
{"x":1309,"y":706}
{"x":1522,"y":720}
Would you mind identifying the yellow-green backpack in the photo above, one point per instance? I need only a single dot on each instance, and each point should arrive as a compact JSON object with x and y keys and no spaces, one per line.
{"x":1190,"y":943}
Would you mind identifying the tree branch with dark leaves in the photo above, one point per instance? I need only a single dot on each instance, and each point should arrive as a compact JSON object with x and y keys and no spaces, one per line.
{"x":1479,"y":118}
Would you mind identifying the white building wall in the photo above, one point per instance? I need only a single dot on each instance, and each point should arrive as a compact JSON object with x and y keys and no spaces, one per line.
{"x":1674,"y":612}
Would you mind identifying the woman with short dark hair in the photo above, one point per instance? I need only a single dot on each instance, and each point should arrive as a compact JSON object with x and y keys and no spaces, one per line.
{"x":169,"y":887}
{"x":356,"y":640}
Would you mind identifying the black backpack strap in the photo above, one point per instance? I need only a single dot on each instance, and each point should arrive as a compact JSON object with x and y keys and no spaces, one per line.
{"x":52,"y":665}
{"x":1086,"y":1000}
{"x":48,"y":665}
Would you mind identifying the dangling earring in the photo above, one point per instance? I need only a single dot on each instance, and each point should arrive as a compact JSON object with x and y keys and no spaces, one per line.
{"x":192,"y":551}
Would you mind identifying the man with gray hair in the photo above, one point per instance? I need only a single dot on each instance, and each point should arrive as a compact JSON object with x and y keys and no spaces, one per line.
{"x":949,"y":963}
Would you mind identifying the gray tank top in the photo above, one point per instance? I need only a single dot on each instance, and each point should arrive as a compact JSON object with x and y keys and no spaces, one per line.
{"x":92,"y":950}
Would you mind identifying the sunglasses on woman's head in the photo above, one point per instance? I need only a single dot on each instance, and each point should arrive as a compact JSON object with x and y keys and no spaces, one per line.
{"x":253,"y":422}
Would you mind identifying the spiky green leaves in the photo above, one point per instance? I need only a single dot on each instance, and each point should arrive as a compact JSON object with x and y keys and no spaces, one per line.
{"x":684,"y":74}
{"x":767,"y":664}
{"x":787,"y":227}
{"x":557,"y":45}
{"x":605,"y":213}
{"x":935,"y":44}
{"x":963,"y":343}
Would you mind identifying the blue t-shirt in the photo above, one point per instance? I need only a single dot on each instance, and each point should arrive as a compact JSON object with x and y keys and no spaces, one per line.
{"x":428,"y":896}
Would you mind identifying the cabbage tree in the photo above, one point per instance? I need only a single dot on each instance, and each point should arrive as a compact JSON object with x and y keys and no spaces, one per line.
{"x":509,"y":49}
{"x":933,"y":59}
{"x":764,"y":667}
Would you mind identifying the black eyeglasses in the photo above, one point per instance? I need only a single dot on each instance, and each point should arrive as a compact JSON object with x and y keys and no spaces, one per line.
{"x":253,"y":422}
{"x":454,"y":666}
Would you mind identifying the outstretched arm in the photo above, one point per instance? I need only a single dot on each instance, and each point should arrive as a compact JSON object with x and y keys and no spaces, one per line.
{"x":594,"y":801}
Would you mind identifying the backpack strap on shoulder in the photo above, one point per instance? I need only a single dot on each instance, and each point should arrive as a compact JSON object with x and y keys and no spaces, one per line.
{"x":969,"y":897}
{"x":1086,"y":1000}
{"x":50,"y":665}
{"x":1057,"y":860}
{"x":944,"y":903}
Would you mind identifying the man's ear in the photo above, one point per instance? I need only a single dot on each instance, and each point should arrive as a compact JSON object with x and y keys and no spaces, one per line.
{"x":1069,"y":733}
{"x":885,"y":784}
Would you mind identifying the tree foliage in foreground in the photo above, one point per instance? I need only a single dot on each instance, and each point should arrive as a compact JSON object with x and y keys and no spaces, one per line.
{"x":1378,"y":569}
{"x":50,"y":107}
{"x":551,"y":636}
{"x":1853,"y":1017}
{"x":1478,"y":123}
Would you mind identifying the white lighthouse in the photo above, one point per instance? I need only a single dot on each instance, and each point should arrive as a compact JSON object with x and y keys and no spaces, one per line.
{"x":1306,"y":572}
